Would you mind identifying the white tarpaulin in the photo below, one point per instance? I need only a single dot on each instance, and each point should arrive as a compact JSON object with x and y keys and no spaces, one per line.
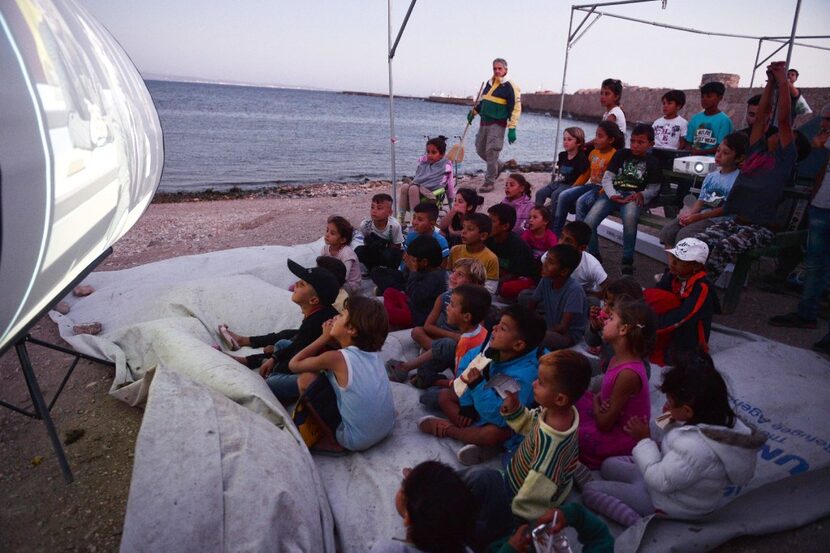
{"x":165,"y":314}
{"x":219,"y":478}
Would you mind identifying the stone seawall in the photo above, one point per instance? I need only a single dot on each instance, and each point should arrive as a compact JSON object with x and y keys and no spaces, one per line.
{"x":643,"y":104}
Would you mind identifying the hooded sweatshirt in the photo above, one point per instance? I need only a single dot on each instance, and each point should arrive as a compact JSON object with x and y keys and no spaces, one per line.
{"x":433,"y":175}
{"x":687,"y":478}
{"x":523,"y":204}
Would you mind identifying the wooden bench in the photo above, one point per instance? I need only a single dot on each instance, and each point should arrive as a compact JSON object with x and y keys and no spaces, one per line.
{"x":743,"y":263}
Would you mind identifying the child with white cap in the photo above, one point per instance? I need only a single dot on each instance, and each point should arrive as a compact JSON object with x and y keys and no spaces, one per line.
{"x":684,"y":301}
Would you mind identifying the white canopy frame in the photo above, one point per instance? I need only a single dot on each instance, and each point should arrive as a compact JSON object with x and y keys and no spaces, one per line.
{"x":592,"y":10}
{"x":392,"y":47}
{"x":594,"y":14}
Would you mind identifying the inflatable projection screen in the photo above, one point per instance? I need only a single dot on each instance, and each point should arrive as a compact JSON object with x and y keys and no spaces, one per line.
{"x":80,"y":152}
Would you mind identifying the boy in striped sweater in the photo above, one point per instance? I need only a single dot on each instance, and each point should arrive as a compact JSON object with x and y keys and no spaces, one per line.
{"x":540,"y":473}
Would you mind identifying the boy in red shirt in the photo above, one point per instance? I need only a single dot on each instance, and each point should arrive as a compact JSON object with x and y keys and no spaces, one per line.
{"x":684,"y":302}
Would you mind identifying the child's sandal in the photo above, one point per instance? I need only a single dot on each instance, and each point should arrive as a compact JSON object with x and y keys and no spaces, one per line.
{"x":229,"y":340}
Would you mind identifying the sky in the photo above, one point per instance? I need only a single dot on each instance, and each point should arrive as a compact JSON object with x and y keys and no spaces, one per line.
{"x":448,"y":45}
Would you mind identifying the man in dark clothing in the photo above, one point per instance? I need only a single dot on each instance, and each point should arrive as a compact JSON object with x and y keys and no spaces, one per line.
{"x":754,"y":198}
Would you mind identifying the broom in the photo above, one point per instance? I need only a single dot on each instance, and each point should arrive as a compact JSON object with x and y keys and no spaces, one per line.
{"x":456,"y":154}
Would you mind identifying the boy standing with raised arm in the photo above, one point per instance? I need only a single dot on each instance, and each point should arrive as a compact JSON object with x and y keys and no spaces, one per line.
{"x":757,"y":191}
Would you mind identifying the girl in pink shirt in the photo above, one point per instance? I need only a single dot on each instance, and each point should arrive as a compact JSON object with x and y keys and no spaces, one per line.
{"x":538,"y":236}
{"x":517,"y":194}
{"x":630,"y":330}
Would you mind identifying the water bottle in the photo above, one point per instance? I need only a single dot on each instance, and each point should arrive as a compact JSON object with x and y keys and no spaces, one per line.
{"x":560,"y":543}
{"x":546,"y":542}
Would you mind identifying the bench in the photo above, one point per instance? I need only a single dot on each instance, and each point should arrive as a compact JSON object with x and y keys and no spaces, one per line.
{"x":743,"y":263}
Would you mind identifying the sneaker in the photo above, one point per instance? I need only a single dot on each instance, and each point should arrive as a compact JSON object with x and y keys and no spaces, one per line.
{"x":658,"y":277}
{"x":627,"y":269}
{"x":472,"y":454}
{"x":433,"y":425}
{"x":487,"y":187}
{"x":792,"y":320}
{"x":823,"y":345}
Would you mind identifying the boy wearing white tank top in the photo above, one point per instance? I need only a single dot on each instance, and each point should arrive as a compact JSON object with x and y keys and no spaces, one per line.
{"x":365,"y":413}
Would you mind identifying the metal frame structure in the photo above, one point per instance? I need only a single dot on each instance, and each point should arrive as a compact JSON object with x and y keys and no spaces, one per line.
{"x":392,"y":47}
{"x":592,"y":10}
{"x":573,"y":37}
{"x":41,"y":410}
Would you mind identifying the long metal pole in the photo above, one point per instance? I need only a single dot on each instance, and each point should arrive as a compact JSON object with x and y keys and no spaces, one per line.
{"x":752,"y":78}
{"x":392,"y":138}
{"x":556,"y":139}
{"x":755,"y":67}
{"x":789,"y":56}
{"x":792,"y":33}
{"x":400,"y":31}
{"x":700,"y":32}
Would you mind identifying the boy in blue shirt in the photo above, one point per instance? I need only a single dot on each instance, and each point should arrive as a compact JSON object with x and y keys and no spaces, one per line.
{"x":563,"y":299}
{"x":709,"y":127}
{"x":475,"y":417}
{"x":424,"y":218}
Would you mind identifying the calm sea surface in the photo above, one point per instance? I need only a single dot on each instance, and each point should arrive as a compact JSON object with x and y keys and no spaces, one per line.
{"x":219,"y":136}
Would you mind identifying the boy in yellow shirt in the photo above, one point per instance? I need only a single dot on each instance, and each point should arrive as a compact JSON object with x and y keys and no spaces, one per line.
{"x":476,"y":229}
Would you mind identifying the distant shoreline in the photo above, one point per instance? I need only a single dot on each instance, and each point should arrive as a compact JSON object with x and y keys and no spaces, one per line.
{"x":301,"y":190}
{"x":305,"y":190}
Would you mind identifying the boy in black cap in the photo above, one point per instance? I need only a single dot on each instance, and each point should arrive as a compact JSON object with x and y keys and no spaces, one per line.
{"x":314,"y":293}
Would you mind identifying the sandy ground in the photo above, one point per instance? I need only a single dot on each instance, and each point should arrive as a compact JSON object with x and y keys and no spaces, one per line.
{"x":40,"y":512}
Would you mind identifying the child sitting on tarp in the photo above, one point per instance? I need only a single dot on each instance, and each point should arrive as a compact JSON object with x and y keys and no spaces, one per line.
{"x":426,"y":280}
{"x":423,"y":224}
{"x":382,"y":236}
{"x":705,"y":448}
{"x":438,"y":337}
{"x":624,"y":393}
{"x":474,"y":417}
{"x":684,"y":302}
{"x":351,"y":401}
{"x":314,"y":293}
{"x":563,"y":300}
{"x":337,"y":243}
{"x":540,"y":472}
{"x":619,"y":289}
{"x":438,"y":513}
{"x":518,"y":270}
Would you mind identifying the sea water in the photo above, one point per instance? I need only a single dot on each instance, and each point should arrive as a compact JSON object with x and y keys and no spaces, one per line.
{"x":220,"y":136}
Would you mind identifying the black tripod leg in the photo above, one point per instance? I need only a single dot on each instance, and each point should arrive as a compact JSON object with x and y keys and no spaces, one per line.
{"x":41,"y":409}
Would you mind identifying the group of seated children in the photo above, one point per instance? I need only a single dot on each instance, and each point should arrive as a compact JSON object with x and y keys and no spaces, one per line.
{"x":504,"y":382}
{"x":556,"y":431}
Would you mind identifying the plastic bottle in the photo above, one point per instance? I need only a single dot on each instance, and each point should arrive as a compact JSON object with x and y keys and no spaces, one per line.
{"x":561,"y":544}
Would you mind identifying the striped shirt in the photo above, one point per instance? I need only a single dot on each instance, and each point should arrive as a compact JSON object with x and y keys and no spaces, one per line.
{"x":541,"y":470}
